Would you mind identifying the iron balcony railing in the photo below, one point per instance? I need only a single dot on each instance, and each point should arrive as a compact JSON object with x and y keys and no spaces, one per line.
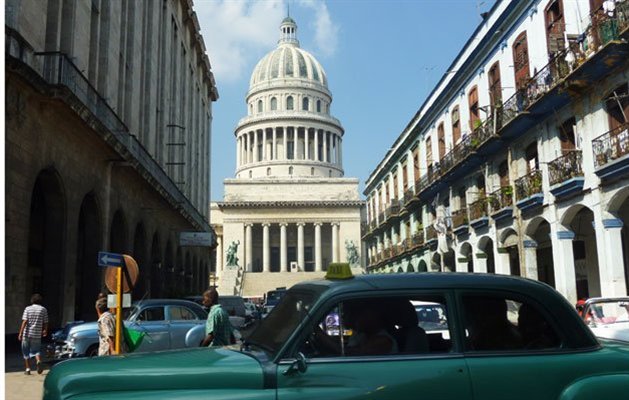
{"x":459,"y":218}
{"x":611,"y":145}
{"x":373,"y":224}
{"x":57,"y":69}
{"x":418,"y":238}
{"x":408,"y":195}
{"x":501,"y":198}
{"x":431,"y":233}
{"x":528,"y":185}
{"x":568,"y":166}
{"x":478,"y":209}
{"x":381,"y":217}
{"x":394,"y":207}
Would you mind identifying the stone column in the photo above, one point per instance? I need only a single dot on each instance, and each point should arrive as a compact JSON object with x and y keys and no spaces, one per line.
{"x":238,"y":150}
{"x":306,"y":148}
{"x":502,"y":263}
{"x":264,"y":144}
{"x":283,"y":249}
{"x":245,"y":148}
{"x":248,"y":247}
{"x":340,"y":151}
{"x":530,"y":259}
{"x":316,"y":145}
{"x":274,"y":155}
{"x":325,"y":146}
{"x":266,"y":249}
{"x":255,"y":146}
{"x":285,"y":141}
{"x":295,"y":137}
{"x":612,"y":272}
{"x":317,"y":249}
{"x":300,"y":246}
{"x":335,"y":242}
{"x":480,"y":261}
{"x":563,"y":262}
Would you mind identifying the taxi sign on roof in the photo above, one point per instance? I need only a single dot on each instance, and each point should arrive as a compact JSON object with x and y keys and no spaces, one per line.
{"x":339,"y":271}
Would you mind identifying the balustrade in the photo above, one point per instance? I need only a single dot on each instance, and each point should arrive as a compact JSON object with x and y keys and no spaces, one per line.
{"x":478,"y":209}
{"x":611,"y":145}
{"x":501,"y":198}
{"x":459,"y":218}
{"x":528,"y":185}
{"x":568,"y":166}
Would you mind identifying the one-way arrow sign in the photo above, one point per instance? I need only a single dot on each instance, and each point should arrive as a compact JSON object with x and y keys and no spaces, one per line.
{"x":106,"y":259}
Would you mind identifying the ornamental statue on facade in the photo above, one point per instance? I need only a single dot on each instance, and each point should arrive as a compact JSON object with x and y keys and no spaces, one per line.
{"x":353,"y":258}
{"x":232,"y":259}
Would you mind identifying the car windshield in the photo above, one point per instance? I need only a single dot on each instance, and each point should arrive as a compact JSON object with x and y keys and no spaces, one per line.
{"x":274,"y":296}
{"x":286,"y":316}
{"x":608,"y":313}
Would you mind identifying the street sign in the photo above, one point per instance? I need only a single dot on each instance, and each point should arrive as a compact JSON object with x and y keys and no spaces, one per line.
{"x":106,"y":259}
{"x":112,"y":301}
{"x":203,"y":239}
{"x":129,"y":277}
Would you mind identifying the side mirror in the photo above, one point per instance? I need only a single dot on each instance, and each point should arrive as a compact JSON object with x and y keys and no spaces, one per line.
{"x":297,"y":365}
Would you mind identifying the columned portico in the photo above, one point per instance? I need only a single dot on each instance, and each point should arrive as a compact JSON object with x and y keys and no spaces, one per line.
{"x":249,"y":247}
{"x":266,"y":250}
{"x":317,"y":228}
{"x":335,"y":242}
{"x":300,"y":246}
{"x":283,"y":247}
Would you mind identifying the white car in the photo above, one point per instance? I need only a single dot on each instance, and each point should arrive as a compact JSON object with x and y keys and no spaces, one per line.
{"x":608,"y":317}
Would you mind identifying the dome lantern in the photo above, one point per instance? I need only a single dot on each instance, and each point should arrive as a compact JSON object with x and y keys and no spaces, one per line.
{"x":288,"y":34}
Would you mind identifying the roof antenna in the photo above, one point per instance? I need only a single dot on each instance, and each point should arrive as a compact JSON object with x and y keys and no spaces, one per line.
{"x":288,"y":8}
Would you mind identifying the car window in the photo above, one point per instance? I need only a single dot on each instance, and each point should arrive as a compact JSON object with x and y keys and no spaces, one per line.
{"x":498,"y":323}
{"x":381,"y":326}
{"x":179,"y":313}
{"x":151,"y":314}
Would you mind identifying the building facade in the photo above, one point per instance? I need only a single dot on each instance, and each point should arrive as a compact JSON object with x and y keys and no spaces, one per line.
{"x":517,"y":161}
{"x":108,"y":124}
{"x":289,"y":211}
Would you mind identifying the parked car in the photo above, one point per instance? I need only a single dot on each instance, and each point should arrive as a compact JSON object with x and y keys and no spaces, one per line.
{"x":272,"y":298}
{"x":546,"y":353}
{"x":168,"y":324}
{"x":234,"y":305}
{"x":607,"y":317}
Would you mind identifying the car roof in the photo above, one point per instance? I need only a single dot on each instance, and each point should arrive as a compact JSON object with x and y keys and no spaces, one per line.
{"x":168,"y":302}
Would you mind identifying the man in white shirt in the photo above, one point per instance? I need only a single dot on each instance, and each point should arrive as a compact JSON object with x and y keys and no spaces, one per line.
{"x":34,"y":326}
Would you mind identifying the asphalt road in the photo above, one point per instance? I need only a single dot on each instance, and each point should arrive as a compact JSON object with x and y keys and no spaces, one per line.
{"x":18,"y":386}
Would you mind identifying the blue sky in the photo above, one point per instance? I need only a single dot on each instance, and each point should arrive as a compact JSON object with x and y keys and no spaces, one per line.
{"x":382,"y":58}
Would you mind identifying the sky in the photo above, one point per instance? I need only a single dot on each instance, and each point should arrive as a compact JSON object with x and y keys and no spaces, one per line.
{"x":382,"y":58}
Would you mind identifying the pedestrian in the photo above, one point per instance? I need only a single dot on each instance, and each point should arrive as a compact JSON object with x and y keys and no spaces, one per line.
{"x":34,"y":327}
{"x":106,"y":328}
{"x":218,"y":329}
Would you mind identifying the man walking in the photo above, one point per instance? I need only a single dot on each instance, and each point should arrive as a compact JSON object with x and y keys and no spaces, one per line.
{"x":34,"y":326}
{"x":106,"y":328}
{"x":218,"y":329}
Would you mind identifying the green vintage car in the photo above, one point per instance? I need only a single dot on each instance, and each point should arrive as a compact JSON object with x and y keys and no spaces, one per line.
{"x":402,"y":336}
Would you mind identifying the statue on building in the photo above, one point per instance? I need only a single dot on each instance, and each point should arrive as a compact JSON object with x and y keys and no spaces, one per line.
{"x":232,"y":259}
{"x":353,"y":258}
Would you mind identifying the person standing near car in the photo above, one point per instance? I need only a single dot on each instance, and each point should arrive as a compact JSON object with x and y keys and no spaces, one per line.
{"x":106,"y":328}
{"x":34,"y":327}
{"x":218,"y":329}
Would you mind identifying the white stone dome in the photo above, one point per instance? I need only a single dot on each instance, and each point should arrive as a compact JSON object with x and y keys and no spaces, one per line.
{"x":288,"y":62}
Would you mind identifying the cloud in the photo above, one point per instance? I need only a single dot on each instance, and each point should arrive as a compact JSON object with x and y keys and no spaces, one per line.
{"x":237,"y":33}
{"x":326,"y":33}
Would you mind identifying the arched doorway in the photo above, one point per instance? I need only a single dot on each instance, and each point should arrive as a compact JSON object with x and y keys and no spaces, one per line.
{"x":449,"y":261}
{"x":486,"y":247}
{"x":579,"y":219}
{"x":422,"y":267}
{"x":539,"y":231}
{"x":157,"y":266}
{"x":118,"y":233}
{"x":410,"y":268}
{"x":140,"y":256}
{"x":435,"y":262}
{"x":466,"y":252}
{"x":619,"y":207}
{"x":46,"y":244}
{"x":510,"y":245}
{"x":88,"y":275}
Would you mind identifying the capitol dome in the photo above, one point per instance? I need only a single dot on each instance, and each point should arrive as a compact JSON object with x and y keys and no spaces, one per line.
{"x":288,"y":61}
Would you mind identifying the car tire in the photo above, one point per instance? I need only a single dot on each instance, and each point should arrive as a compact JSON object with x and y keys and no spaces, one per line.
{"x":92,"y":351}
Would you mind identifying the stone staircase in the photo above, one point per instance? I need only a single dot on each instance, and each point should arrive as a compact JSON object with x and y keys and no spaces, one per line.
{"x":231,"y":281}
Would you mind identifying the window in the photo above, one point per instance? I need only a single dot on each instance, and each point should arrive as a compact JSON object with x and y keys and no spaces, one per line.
{"x":396,"y":325}
{"x":617,"y":106}
{"x":395,"y":185}
{"x":416,"y":162}
{"x":305,"y":104}
{"x":289,"y":103}
{"x":404,"y":177}
{"x":456,"y":125}
{"x":495,"y":87}
{"x":555,"y":27}
{"x":498,"y":323}
{"x":567,"y":135}
{"x":472,"y":99}
{"x":429,"y":152}
{"x":290,"y":170}
{"x":268,"y":171}
{"x":319,"y":106}
{"x":441,"y":138}
{"x":503,"y":173}
{"x":259,"y":105}
{"x":180,"y":314}
{"x":386,"y":191}
{"x":521,"y":60}
{"x":532,"y":162}
{"x":151,"y":314}
{"x":273,"y":103}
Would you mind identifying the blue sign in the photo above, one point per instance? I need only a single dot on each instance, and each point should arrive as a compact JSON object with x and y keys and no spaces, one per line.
{"x":106,"y":259}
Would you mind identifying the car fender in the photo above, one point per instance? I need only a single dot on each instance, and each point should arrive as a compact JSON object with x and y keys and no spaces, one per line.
{"x":195,"y":336}
{"x":600,"y":387}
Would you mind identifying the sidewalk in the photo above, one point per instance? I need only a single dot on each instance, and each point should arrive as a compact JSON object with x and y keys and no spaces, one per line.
{"x":19,"y":386}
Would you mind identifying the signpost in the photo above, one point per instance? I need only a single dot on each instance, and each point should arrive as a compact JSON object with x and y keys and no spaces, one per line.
{"x":119,"y":262}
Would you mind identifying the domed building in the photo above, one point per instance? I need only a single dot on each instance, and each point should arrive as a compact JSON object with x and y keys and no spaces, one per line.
{"x":289,"y":212}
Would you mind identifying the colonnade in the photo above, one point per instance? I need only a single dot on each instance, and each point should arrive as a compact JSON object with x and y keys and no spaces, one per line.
{"x":284,"y":267}
{"x":289,"y":143}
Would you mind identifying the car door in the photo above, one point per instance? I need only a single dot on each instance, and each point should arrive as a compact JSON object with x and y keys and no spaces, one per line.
{"x":514,"y":350}
{"x":181,"y":320}
{"x":152,"y":321}
{"x":438,"y":372}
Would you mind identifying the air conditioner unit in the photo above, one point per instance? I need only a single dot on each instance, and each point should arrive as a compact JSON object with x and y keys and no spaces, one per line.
{"x":294,"y":267}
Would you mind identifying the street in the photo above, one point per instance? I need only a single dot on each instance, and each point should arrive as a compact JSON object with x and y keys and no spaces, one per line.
{"x":19,"y":386}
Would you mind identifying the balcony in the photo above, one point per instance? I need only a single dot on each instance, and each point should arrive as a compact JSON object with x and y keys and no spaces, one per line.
{"x":431,"y":234}
{"x":479,"y":213}
{"x":566,"y":175}
{"x":392,"y":213}
{"x":424,"y":186}
{"x":417,"y":240}
{"x":610,"y":154}
{"x":528,"y":191}
{"x":501,"y":203}
{"x":460,"y":221}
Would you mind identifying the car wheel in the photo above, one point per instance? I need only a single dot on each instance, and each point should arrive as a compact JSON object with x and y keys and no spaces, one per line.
{"x":92,"y":351}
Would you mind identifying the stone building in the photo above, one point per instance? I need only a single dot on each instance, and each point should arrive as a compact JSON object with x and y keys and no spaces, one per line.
{"x":108,"y":123}
{"x":516,"y":163}
{"x":289,"y":211}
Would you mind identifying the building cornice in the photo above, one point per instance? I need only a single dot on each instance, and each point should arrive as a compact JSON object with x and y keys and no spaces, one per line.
{"x":290,"y":204}
{"x":305,"y":117}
